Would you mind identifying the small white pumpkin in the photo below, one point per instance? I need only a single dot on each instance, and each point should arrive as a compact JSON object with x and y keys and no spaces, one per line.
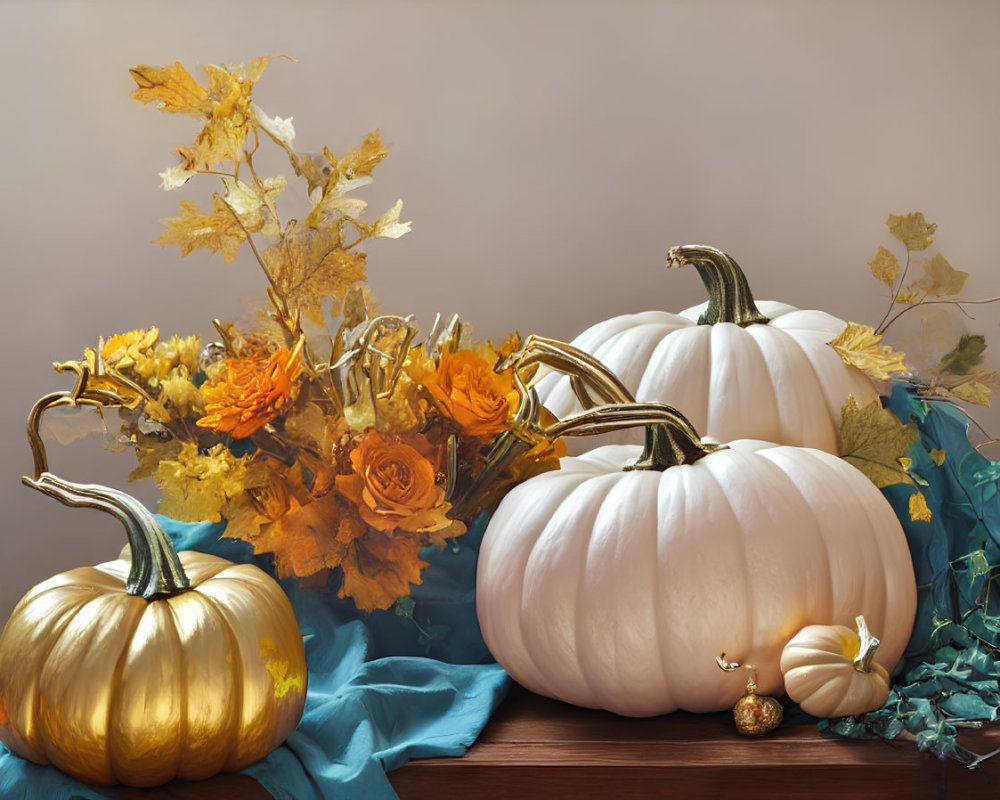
{"x":616,"y":588}
{"x":830,"y":672}
{"x":736,"y":369}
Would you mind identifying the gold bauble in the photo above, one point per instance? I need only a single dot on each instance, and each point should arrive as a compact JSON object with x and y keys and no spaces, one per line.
{"x":757,"y":714}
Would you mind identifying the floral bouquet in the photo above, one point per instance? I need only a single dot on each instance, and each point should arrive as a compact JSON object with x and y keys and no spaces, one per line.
{"x":322,"y":433}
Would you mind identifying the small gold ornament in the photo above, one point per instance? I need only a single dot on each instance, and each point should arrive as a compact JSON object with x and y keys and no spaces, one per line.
{"x":754,"y":714}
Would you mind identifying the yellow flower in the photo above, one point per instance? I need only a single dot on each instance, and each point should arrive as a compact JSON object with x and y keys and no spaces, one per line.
{"x":125,"y":350}
{"x":251,"y":393}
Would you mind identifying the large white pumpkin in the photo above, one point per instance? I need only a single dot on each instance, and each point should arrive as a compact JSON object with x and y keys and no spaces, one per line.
{"x":617,"y":589}
{"x":745,"y":370}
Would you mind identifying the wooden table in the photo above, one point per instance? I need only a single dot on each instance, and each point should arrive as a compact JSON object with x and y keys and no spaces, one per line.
{"x":539,"y":748}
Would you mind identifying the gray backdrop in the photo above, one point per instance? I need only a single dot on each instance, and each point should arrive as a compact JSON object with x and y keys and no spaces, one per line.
{"x":547,"y":153}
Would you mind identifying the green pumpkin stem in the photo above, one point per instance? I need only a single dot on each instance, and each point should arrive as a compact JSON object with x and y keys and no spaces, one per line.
{"x":156,"y":570}
{"x":729,"y":297}
{"x":671,"y":440}
{"x":868,"y":645}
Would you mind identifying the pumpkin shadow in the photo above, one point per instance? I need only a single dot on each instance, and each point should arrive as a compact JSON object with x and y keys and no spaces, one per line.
{"x":219,"y":787}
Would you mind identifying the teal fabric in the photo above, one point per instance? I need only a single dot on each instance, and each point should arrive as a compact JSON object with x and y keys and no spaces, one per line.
{"x":948,"y":676}
{"x":369,"y":709}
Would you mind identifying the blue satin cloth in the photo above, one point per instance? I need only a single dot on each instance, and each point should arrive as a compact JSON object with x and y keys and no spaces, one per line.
{"x":375,"y":699}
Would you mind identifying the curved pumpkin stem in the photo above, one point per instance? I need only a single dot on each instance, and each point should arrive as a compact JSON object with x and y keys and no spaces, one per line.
{"x":729,"y":297}
{"x":588,"y":376}
{"x":671,"y":439}
{"x":868,"y":645}
{"x":156,"y":570}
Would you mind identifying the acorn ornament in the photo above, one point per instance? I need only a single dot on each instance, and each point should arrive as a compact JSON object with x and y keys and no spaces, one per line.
{"x":754,"y":714}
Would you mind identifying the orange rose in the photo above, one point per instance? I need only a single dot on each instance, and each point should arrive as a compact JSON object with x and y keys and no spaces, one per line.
{"x":393,"y":484}
{"x":467,"y":390}
{"x":252,"y":393}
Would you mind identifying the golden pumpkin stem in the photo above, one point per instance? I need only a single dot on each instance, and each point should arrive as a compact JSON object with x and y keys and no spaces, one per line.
{"x":671,"y":439}
{"x":156,"y":570}
{"x":588,"y":376}
{"x":729,"y":297}
{"x":868,"y":645}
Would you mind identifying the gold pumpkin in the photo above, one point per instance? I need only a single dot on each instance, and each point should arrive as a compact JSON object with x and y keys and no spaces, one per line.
{"x":140,"y":671}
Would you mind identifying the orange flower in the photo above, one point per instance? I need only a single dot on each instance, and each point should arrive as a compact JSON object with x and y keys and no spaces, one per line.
{"x":124,"y":350}
{"x":252,"y":393}
{"x":393,"y":484}
{"x":467,"y":390}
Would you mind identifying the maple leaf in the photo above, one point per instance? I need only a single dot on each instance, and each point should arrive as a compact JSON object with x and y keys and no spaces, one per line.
{"x":219,"y":231}
{"x":975,"y":386}
{"x":858,"y":346}
{"x":341,"y":176}
{"x":199,"y":486}
{"x":874,"y":440}
{"x":379,"y":569}
{"x":912,"y":230}
{"x":171,"y":89}
{"x":940,"y":280}
{"x":885,"y":267}
{"x":303,"y":538}
{"x":309,"y":264}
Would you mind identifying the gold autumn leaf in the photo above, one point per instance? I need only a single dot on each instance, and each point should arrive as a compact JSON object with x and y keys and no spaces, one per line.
{"x":378,"y":569}
{"x":874,"y":440}
{"x":940,"y":280}
{"x":197,"y":486}
{"x":310,"y":264}
{"x":171,"y":89}
{"x":339,"y":177}
{"x":885,"y":267}
{"x":974,"y":386}
{"x":919,"y":512}
{"x":304,"y":538}
{"x":938,"y":456}
{"x":859,"y":346}
{"x":358,"y":162}
{"x":912,"y":230}
{"x":219,"y":231}
{"x":254,"y":203}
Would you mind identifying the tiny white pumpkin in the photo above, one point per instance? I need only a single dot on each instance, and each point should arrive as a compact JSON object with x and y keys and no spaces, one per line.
{"x":830,"y":672}
{"x":736,"y":369}
{"x":614,"y":588}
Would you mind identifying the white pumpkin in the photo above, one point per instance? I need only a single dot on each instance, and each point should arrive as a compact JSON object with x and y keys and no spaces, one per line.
{"x":830,"y":671}
{"x":617,"y":589}
{"x":736,"y":373}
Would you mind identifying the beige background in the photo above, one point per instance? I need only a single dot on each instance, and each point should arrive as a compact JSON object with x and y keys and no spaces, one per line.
{"x":548,"y":154}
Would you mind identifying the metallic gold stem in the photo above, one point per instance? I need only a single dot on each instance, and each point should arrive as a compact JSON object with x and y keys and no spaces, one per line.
{"x":587,"y":374}
{"x":156,"y":570}
{"x":869,"y":644}
{"x":733,"y":666}
{"x":671,"y":440}
{"x":729,"y":297}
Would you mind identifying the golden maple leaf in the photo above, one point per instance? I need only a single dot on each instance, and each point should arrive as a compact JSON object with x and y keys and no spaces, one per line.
{"x":885,"y":267}
{"x":309,"y":264}
{"x":874,"y":440}
{"x":303,"y":538}
{"x":379,"y":569}
{"x":219,"y":231}
{"x":858,"y":346}
{"x":940,"y":280}
{"x":912,"y":230}
{"x":171,"y":88}
{"x":199,"y":486}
